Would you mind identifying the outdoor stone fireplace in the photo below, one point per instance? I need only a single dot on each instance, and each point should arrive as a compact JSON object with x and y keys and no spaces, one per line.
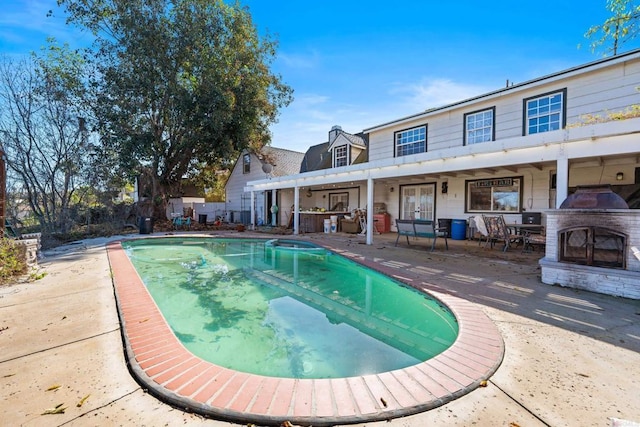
{"x":593,"y":246}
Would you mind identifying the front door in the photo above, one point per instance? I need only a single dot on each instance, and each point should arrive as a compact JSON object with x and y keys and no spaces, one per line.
{"x":418,"y":202}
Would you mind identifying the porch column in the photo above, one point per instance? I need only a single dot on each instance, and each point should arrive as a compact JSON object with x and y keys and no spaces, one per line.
{"x":369,"y":211}
{"x":274,"y":202}
{"x":562,"y":178}
{"x":296,"y":209}
{"x":253,"y":210}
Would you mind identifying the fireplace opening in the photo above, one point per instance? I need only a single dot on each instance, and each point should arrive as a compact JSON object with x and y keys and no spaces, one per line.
{"x":593,"y":246}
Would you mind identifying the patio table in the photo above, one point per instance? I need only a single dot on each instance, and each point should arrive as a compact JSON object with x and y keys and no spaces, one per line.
{"x":523,"y":228}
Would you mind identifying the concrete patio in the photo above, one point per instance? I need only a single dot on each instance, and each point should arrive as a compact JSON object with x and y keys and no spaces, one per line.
{"x":572,"y":357}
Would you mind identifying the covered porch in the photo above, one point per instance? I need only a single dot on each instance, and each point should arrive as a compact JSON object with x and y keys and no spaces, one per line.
{"x":540,"y":171}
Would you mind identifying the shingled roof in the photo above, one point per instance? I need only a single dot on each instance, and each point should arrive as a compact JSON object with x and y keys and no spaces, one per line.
{"x":284,"y":162}
{"x":318,"y":156}
{"x":357,"y":139}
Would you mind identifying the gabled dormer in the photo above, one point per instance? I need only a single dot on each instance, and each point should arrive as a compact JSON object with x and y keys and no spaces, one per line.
{"x":344,"y":147}
{"x":341,"y":149}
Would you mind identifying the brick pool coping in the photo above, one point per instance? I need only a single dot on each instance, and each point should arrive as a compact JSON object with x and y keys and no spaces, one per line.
{"x":163,"y":366}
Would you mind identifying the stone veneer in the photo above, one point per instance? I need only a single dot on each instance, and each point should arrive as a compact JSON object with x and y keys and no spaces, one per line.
{"x":31,"y":242}
{"x":611,"y":281}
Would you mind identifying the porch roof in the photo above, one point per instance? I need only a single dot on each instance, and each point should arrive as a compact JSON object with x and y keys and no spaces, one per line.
{"x":580,"y":143}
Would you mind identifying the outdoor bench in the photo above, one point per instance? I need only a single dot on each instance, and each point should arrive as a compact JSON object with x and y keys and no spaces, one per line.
{"x":420,"y":228}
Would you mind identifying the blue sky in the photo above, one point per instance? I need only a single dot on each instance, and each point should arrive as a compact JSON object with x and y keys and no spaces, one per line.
{"x":359,"y":64}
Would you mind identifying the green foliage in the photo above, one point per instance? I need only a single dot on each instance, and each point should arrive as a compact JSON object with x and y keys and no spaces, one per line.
{"x":62,"y":70}
{"x":12,"y":260}
{"x":37,"y":276}
{"x":212,"y":181}
{"x":631,"y":112}
{"x":620,"y":28}
{"x":182,"y":83}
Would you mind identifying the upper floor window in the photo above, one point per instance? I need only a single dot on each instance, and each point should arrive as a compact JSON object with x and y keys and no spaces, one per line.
{"x":340,"y":156}
{"x":545,"y":113}
{"x":246,"y":163}
{"x":479,"y":126}
{"x":411,"y":141}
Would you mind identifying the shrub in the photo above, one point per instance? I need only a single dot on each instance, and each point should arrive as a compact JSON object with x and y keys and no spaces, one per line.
{"x":13,"y":260}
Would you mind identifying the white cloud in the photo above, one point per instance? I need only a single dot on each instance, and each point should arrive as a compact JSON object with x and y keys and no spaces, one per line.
{"x":436,"y":92}
{"x":309,"y":118}
{"x":307,"y":100}
{"x":300,"y":61}
{"x":25,"y":27}
{"x":32,"y":15}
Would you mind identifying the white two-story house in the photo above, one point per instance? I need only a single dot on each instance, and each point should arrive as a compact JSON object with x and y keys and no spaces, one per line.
{"x":522,"y":148}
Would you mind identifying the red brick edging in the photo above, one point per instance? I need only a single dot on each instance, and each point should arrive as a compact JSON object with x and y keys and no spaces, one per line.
{"x":162,"y":365}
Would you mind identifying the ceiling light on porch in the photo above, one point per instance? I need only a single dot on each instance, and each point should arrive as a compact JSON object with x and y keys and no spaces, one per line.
{"x":619,"y":176}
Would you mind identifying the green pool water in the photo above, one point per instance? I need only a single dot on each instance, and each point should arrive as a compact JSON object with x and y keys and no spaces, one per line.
{"x":286,"y":309}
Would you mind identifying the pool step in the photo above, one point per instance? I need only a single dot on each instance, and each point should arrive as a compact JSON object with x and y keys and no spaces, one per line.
{"x":405,"y":338}
{"x":293,"y":283}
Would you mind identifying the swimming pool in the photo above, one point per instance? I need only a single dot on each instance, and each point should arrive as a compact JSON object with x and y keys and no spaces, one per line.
{"x":170,"y":372}
{"x":284,"y":308}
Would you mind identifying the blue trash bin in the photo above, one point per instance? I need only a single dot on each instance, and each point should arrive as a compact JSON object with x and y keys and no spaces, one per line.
{"x":459,"y":229}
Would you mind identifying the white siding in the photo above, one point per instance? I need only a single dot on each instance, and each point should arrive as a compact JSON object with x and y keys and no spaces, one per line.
{"x":590,"y":154}
{"x":597,"y":92}
{"x":237,"y":200}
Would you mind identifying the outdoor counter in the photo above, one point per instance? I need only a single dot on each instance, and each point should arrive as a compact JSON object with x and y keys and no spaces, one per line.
{"x":313,"y":222}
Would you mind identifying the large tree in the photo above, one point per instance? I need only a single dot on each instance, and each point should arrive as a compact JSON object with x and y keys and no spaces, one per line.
{"x":181,"y":83}
{"x":616,"y":30}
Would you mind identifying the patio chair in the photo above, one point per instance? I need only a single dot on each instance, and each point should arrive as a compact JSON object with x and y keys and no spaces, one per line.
{"x":405,"y":228}
{"x":182,"y":222}
{"x":493,"y":231}
{"x":481,"y":228}
{"x":499,"y":232}
{"x":426,"y":228}
{"x":531,"y":240}
{"x":351,"y":224}
{"x":11,"y":230}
